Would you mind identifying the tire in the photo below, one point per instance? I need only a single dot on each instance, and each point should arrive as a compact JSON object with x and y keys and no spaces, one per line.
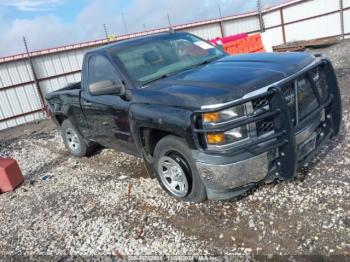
{"x":173,"y":153}
{"x":73,"y":141}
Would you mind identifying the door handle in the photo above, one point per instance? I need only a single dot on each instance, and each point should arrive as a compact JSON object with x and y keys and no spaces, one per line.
{"x":87,"y":104}
{"x":105,"y":123}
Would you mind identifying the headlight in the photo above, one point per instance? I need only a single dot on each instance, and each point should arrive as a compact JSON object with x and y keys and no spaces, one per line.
{"x":307,"y":101}
{"x":224,"y":115}
{"x":290,"y":97}
{"x":228,"y":137}
{"x":319,"y":78}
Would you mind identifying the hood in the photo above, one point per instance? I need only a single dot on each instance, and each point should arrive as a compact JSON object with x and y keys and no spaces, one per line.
{"x":227,"y":79}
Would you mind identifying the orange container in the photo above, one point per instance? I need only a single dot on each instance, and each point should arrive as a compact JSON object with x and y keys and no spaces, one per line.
{"x":10,"y":175}
{"x":251,"y":44}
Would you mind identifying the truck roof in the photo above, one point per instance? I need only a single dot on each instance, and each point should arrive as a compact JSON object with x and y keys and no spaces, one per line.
{"x":140,"y":39}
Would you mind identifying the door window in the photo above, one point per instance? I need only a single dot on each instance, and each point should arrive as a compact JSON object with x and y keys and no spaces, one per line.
{"x":100,"y":69}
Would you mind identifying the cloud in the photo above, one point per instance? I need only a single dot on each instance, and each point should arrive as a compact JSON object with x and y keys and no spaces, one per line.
{"x":33,"y":5}
{"x":153,"y":13}
{"x":46,"y":31}
{"x":41,"y":32}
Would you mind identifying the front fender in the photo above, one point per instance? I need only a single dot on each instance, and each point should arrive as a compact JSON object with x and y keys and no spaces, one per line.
{"x":174,"y":120}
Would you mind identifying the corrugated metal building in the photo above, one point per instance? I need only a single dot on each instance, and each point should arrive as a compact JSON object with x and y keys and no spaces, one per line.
{"x":20,"y":100}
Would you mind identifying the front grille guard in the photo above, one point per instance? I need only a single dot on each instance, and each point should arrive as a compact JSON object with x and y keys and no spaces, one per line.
{"x":282,"y":140}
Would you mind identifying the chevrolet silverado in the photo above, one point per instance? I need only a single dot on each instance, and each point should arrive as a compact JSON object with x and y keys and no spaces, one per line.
{"x":208,"y":125}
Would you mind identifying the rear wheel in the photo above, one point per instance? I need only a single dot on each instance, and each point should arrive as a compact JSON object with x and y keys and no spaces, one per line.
{"x":73,"y":141}
{"x":176,"y":170}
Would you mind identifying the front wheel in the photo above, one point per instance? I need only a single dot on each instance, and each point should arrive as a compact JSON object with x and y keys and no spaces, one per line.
{"x":176,"y":170}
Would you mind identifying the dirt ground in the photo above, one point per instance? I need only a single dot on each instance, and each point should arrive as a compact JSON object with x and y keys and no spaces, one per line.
{"x":106,"y":205}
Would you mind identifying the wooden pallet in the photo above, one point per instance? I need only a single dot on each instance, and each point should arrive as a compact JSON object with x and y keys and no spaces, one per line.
{"x":298,"y":46}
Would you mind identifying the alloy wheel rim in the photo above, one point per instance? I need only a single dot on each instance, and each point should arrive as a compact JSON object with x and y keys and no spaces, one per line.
{"x":173,"y":176}
{"x":72,"y":140}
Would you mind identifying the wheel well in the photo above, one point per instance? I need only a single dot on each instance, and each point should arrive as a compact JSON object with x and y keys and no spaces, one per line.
{"x":60,"y":118}
{"x":150,"y":137}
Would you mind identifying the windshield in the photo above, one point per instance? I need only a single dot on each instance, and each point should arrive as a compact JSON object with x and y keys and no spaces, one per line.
{"x":157,"y":58}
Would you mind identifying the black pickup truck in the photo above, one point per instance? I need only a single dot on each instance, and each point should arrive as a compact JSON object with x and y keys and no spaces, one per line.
{"x":208,"y":125}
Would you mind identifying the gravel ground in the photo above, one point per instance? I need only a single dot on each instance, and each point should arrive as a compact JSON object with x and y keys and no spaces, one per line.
{"x":106,"y":205}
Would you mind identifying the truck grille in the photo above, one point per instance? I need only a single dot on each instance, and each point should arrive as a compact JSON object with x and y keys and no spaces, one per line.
{"x":260,"y":103}
{"x":306,"y":100}
{"x":264,"y":126}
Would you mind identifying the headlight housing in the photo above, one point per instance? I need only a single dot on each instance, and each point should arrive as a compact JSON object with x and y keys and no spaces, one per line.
{"x":222,"y":117}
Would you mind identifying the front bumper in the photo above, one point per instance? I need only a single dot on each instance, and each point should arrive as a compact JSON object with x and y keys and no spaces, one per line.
{"x":278,"y":154}
{"x":228,"y":180}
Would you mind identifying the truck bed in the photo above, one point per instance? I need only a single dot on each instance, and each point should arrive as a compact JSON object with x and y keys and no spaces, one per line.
{"x":69,"y":87}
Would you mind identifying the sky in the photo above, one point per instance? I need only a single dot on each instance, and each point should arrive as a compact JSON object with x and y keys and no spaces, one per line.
{"x":51,"y":23}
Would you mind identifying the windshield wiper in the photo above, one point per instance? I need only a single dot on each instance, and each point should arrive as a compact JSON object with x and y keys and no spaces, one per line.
{"x":155,"y":79}
{"x":207,"y":61}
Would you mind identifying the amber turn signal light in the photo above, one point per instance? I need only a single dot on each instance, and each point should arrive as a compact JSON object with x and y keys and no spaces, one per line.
{"x":215,"y":138}
{"x":211,"y":117}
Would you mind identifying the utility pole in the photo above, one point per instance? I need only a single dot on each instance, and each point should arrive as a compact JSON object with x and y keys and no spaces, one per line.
{"x":125,"y":26}
{"x":144,"y":27}
{"x":106,"y":32}
{"x":261,"y":20}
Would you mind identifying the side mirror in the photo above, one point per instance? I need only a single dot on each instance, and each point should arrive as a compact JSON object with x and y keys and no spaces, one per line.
{"x":107,"y":87}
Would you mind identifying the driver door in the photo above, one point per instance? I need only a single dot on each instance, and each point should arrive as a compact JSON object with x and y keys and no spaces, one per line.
{"x":106,"y":115}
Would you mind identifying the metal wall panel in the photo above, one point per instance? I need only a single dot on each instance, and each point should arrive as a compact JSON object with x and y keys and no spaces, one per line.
{"x":206,"y":31}
{"x":275,"y":35}
{"x":51,"y":85}
{"x":316,"y":28}
{"x":14,"y":73}
{"x":24,"y":98}
{"x":18,"y":100}
{"x":56,"y":64}
{"x":20,"y":120}
{"x":309,"y":8}
{"x":272,"y":18}
{"x":347,"y":21}
{"x":241,"y":25}
{"x":346,"y":3}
